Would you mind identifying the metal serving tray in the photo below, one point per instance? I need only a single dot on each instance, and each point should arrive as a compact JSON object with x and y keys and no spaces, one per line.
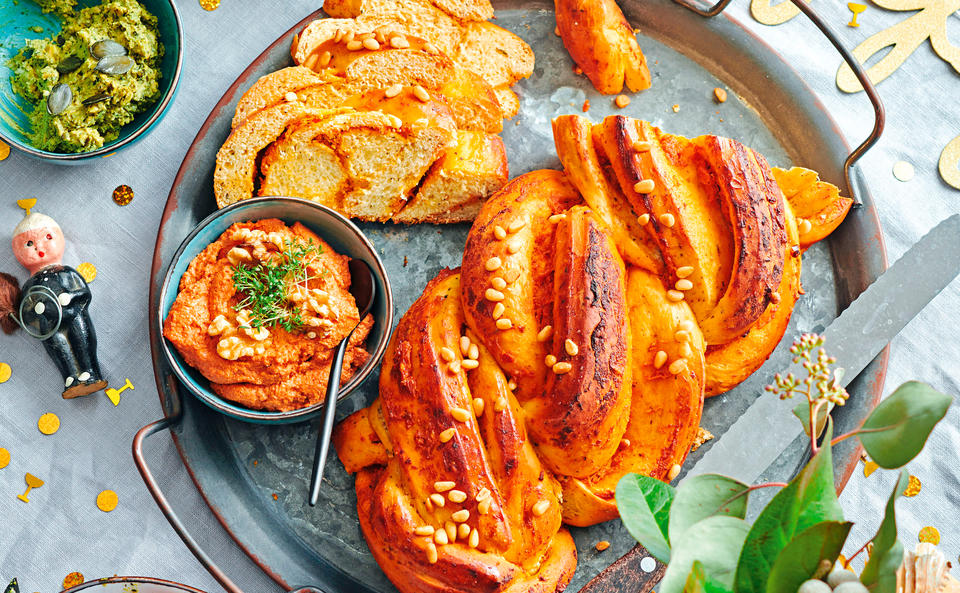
{"x":769,"y":108}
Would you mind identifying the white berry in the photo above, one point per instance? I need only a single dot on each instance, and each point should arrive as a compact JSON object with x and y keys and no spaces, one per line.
{"x":851,"y":587}
{"x":841,"y":575}
{"x":814,"y":586}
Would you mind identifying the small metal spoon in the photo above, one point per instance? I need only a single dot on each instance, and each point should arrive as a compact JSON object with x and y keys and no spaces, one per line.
{"x":364,"y":290}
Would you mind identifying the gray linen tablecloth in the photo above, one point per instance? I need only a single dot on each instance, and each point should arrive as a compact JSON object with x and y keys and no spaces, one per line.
{"x":61,"y":530}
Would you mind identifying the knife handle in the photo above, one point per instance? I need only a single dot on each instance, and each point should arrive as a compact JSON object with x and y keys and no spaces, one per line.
{"x":628,"y":574}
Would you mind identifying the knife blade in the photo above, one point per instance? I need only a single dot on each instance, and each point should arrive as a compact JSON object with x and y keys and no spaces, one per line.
{"x":854,"y":338}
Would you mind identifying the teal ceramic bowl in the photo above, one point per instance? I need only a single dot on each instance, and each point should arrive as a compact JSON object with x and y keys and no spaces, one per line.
{"x":19,"y":20}
{"x":342,"y":235}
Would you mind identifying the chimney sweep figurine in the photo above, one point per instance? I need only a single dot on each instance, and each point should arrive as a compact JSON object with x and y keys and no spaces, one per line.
{"x":52,"y":305}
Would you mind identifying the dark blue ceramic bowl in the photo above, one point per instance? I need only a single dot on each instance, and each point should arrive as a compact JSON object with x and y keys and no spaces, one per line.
{"x":342,"y":235}
{"x":16,"y":21}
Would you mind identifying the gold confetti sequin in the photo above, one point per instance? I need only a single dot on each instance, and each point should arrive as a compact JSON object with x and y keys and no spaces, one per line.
{"x":869,"y":467}
{"x":88,"y":271}
{"x":209,"y":4}
{"x":49,"y":423}
{"x":5,"y":372}
{"x":929,"y":535}
{"x":107,"y":501}
{"x":913,"y":488}
{"x":4,"y":458}
{"x":903,"y":171}
{"x":4,"y":150}
{"x":856,"y":9}
{"x":123,"y":195}
{"x":72,"y":580}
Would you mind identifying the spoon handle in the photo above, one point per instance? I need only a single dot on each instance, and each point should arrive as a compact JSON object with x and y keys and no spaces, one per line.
{"x":329,"y":413}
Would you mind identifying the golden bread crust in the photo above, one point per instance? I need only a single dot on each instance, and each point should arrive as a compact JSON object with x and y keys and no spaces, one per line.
{"x":604,"y":45}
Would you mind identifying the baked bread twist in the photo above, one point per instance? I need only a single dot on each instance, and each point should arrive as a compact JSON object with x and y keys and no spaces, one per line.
{"x":524,"y":387}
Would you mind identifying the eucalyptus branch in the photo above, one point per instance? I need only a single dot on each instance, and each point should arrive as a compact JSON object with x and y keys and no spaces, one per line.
{"x":750,"y":489}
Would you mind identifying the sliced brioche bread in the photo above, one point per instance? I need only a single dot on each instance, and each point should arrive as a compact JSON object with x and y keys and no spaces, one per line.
{"x":235,"y":173}
{"x":494,"y":53}
{"x":419,"y":17}
{"x":297,"y":165}
{"x":474,"y":103}
{"x":458,"y":183}
{"x":509,"y":101}
{"x":271,"y":89}
{"x":466,"y":10}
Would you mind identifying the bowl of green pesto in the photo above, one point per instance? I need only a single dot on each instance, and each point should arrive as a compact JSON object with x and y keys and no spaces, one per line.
{"x":81,"y":79}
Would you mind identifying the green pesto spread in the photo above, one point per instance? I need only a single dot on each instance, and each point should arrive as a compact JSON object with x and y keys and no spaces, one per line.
{"x":85,"y":127}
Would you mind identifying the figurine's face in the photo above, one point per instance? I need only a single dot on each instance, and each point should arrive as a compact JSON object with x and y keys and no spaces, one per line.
{"x":38,"y":248}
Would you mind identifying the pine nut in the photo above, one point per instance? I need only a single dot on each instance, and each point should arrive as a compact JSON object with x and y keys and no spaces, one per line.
{"x":516,"y":225}
{"x":683,"y":284}
{"x":675,"y":295}
{"x":674,"y":471}
{"x":659,"y":359}
{"x":643,"y":219}
{"x":514,"y":246}
{"x":432,"y":555}
{"x":451,"y":530}
{"x":469,"y":364}
{"x":457,"y":496}
{"x":463,"y":531}
{"x":545,"y":334}
{"x":493,"y":294}
{"x":684,"y":271}
{"x":447,"y":434}
{"x":474,"y":352}
{"x":498,"y":310}
{"x":421,"y":93}
{"x":571,"y":347}
{"x":667,"y":219}
{"x":499,"y":232}
{"x":424,"y":530}
{"x":540,"y":508}
{"x":550,"y":360}
{"x":562,"y":368}
{"x":393,"y":91}
{"x":441,"y":537}
{"x":444,"y":486}
{"x":642,"y":146}
{"x":371,"y":44}
{"x":483,"y":494}
{"x":474,"y":540}
{"x":501,"y":405}
{"x":483,"y":507}
{"x":399,"y":42}
{"x":493,"y":263}
{"x":498,"y":282}
{"x":504,"y":323}
{"x":459,"y":414}
{"x":644,"y":187}
{"x":557,"y":218}
{"x":447,"y":354}
{"x":437,"y":499}
{"x":355,"y":45}
{"x":478,"y":407}
{"x":681,"y":336}
{"x":677,"y":366}
{"x":461,"y":516}
{"x":455,"y":366}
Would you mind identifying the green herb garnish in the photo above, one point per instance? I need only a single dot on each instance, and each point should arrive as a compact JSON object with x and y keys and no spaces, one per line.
{"x":266,"y":284}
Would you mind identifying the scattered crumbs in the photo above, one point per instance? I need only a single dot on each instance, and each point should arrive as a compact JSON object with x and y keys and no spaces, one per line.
{"x":275,"y":497}
{"x":72,"y":580}
{"x":4,"y":458}
{"x":4,"y":150}
{"x":556,"y":31}
{"x":586,"y":106}
{"x":602,"y":545}
{"x":405,"y":261}
{"x":123,"y":195}
{"x":648,"y":564}
{"x":930,"y":535}
{"x":5,"y":372}
{"x":719,"y":95}
{"x":676,"y":108}
{"x":88,"y":271}
{"x":903,"y":171}
{"x":107,"y":501}
{"x":621,"y":101}
{"x":869,"y":467}
{"x":578,"y":70}
{"x":703,"y":435}
{"x":913,"y":488}
{"x":255,"y":462}
{"x":49,"y":423}
{"x":856,"y":9}
{"x":209,"y":4}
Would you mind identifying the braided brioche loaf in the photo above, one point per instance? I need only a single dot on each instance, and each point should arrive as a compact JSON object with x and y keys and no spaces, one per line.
{"x":565,"y":353}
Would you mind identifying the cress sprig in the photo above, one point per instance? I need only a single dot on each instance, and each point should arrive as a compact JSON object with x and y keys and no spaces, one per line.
{"x":265,"y":285}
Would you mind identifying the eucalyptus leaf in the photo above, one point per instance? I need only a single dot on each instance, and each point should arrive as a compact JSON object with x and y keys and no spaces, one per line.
{"x":715,"y":542}
{"x":802,"y":411}
{"x":699,"y":497}
{"x":896,"y":430}
{"x":698,"y":582}
{"x":803,"y":558}
{"x":808,"y":499}
{"x":644,"y":505}
{"x":879,"y":574}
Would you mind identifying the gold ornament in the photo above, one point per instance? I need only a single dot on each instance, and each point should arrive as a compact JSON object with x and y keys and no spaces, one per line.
{"x":950,"y":163}
{"x":903,"y":39}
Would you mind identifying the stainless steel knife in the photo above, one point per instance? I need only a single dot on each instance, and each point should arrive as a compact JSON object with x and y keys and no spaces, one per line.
{"x":854,"y":339}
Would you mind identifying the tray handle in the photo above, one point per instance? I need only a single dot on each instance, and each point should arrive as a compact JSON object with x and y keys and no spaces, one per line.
{"x":144,"y":468}
{"x":855,"y":183}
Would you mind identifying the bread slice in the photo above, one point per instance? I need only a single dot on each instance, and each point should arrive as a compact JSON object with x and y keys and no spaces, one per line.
{"x":458,"y":183}
{"x":494,"y":53}
{"x":474,"y":103}
{"x":419,"y":17}
{"x":236,"y":169}
{"x":364,"y":164}
{"x":466,"y":10}
{"x":509,"y":101}
{"x":271,"y":89}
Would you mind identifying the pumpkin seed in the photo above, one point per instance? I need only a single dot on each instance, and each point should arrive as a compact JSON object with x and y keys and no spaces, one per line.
{"x":98,"y":98}
{"x":115,"y":65}
{"x":59,"y":99}
{"x":107,"y":47}
{"x":69,"y":64}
